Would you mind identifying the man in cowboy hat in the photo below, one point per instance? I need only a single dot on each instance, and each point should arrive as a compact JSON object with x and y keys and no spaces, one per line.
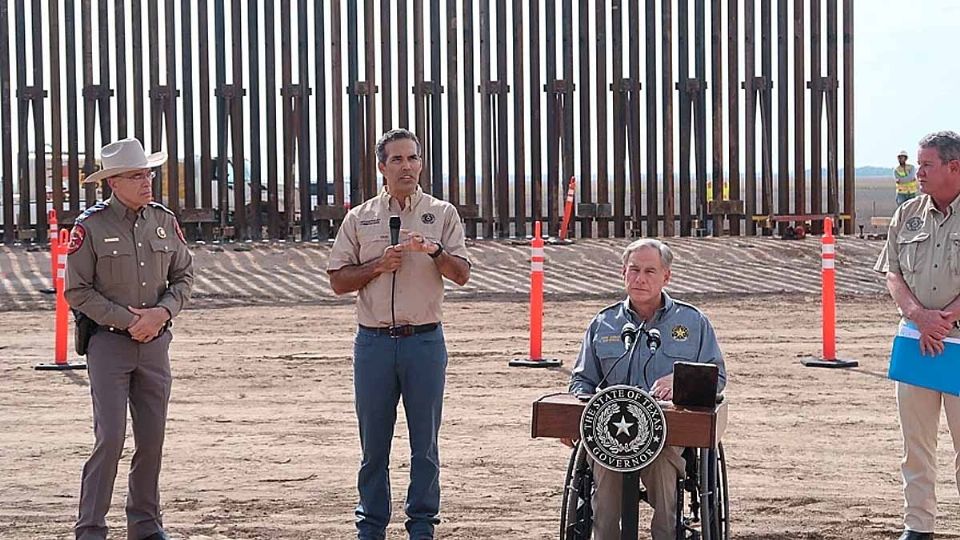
{"x":130,"y":271}
{"x":905,"y":176}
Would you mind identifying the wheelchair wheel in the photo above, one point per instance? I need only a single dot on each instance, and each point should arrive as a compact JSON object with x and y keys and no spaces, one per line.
{"x":576,"y":513}
{"x":723,"y":498}
{"x":706,"y":516}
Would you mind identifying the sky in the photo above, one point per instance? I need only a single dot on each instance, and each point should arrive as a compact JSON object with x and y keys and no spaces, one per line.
{"x":907,"y":76}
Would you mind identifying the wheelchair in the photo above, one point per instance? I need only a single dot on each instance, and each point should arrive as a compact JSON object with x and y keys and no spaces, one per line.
{"x":702,"y":500}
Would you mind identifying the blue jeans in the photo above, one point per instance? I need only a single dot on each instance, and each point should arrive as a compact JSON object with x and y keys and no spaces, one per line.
{"x":386,"y":369}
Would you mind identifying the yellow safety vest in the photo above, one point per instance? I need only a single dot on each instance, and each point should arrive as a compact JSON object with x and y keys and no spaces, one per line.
{"x":903,"y":185}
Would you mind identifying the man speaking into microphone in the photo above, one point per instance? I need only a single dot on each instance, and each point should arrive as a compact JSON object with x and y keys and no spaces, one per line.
{"x":399,"y":350}
{"x":636,"y":342}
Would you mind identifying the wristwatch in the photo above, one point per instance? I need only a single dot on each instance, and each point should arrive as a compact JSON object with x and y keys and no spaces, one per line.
{"x":436,"y":253}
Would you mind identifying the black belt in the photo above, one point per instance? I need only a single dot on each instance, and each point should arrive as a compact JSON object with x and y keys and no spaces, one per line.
{"x":122,"y":332}
{"x":404,"y":330}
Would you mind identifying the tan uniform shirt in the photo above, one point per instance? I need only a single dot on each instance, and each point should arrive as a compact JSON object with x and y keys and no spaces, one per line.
{"x":119,"y":257}
{"x":365,"y":233}
{"x":923,"y":246}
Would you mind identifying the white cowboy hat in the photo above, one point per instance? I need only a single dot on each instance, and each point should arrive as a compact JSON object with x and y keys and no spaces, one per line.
{"x":903,"y":153}
{"x":124,"y":156}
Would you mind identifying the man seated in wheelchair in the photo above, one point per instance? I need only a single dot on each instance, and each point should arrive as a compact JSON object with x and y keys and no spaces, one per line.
{"x":669,"y":331}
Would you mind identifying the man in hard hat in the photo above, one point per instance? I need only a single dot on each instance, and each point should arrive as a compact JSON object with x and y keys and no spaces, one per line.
{"x":905,"y":175}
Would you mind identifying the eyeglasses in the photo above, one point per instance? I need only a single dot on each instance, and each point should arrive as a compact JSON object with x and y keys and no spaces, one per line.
{"x":148,"y":175}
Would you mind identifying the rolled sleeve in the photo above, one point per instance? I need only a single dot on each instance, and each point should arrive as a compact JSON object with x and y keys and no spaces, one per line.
{"x":179,"y":282}
{"x":586,"y":376}
{"x":889,"y":259}
{"x":346,"y":247}
{"x":453,"y":239}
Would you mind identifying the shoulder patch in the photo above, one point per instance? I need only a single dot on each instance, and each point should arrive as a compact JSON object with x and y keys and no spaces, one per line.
{"x":176,"y":225}
{"x":158,"y":206}
{"x":91,"y":211}
{"x":77,"y":235}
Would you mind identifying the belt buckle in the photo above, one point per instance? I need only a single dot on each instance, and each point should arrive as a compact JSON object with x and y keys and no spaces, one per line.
{"x":401,"y":331}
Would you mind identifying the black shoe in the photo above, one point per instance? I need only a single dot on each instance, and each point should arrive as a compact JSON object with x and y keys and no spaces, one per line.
{"x":914,"y":535}
{"x":159,"y":535}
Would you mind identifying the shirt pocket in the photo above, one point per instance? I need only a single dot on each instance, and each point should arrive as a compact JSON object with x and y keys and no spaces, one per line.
{"x":907,"y":250}
{"x":607,"y":353}
{"x":161,"y":253}
{"x":372,"y":241}
{"x":114,"y":264}
{"x":687,"y":350}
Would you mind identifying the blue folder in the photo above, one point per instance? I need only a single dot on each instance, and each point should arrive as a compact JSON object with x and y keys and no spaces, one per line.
{"x":940,"y":372}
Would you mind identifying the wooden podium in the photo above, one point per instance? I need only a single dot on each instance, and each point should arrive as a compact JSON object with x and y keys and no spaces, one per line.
{"x":558,"y":416}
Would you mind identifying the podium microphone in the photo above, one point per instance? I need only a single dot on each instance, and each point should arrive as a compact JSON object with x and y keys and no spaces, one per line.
{"x":628,"y":334}
{"x":394,"y":230}
{"x":653,"y":340}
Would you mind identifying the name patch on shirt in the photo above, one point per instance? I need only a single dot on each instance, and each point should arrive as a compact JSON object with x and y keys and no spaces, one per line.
{"x":370,"y":221}
{"x":110,"y":240}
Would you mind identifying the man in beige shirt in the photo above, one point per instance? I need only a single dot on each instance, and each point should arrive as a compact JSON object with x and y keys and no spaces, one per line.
{"x":921,"y":260}
{"x":399,"y":351}
{"x":130,"y":271}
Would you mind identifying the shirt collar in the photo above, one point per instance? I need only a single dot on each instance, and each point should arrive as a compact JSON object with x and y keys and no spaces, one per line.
{"x":955,"y":205}
{"x":408,"y":203}
{"x":657,"y":315}
{"x":120,"y":210}
{"x":928,"y":206}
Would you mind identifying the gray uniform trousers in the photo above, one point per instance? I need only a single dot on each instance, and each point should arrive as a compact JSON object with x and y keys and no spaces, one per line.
{"x":660,"y":480}
{"x":124,"y":371}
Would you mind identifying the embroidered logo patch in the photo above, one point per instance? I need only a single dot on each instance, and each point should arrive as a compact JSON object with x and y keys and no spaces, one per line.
{"x":76,"y":239}
{"x":680,"y":333}
{"x":428,"y":218}
{"x":914,"y":224}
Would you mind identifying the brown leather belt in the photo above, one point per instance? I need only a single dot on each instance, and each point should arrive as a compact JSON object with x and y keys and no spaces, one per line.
{"x":405,"y":330}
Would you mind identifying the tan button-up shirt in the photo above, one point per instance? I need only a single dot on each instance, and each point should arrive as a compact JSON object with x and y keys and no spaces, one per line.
{"x":119,"y":257}
{"x":365,"y":233}
{"x":923,"y":246}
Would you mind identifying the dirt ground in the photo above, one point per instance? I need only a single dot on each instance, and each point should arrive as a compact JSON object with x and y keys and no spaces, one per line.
{"x":262,"y":438}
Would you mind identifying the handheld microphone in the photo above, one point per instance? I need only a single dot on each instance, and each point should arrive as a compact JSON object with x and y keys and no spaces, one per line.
{"x":653,"y":340}
{"x":628,"y":334}
{"x":394,"y":230}
{"x":394,"y":240}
